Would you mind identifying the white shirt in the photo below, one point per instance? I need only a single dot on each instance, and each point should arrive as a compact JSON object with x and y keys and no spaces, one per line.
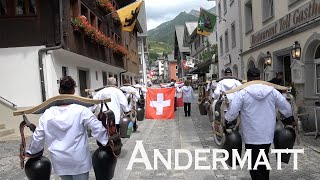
{"x":118,"y":101}
{"x":129,"y":91}
{"x":257,"y":104}
{"x":63,"y":128}
{"x":224,"y":86}
{"x":140,"y":87}
{"x":211,"y":87}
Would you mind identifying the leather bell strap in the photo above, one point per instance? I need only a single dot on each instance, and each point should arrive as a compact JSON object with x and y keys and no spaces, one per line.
{"x":23,"y":154}
{"x":106,"y":125}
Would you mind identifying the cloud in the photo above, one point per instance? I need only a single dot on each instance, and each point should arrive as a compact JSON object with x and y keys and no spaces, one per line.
{"x":159,"y":11}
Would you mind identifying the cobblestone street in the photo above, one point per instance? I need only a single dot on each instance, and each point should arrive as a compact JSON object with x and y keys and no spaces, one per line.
{"x":181,"y":133}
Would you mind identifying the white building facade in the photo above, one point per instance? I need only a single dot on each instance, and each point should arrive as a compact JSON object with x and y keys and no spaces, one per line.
{"x":229,"y":36}
{"x":270,"y":28}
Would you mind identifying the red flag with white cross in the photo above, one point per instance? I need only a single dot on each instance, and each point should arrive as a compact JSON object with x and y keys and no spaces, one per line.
{"x":160,"y":103}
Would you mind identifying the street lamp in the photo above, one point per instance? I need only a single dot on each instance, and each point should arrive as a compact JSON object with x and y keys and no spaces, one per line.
{"x":296,"y":51}
{"x":268,"y":59}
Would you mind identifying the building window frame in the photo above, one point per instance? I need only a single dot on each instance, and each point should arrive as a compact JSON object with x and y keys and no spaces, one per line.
{"x":225,"y":7}
{"x":226,"y":39}
{"x":248,"y":16}
{"x":233,"y":35}
{"x":64,"y":71}
{"x":317,"y":79}
{"x":219,"y":11}
{"x":11,"y":8}
{"x":221,"y":45}
{"x":270,"y":7}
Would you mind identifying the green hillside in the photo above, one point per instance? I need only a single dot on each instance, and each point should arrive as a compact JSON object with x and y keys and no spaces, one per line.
{"x":159,"y":47}
{"x":165,"y":31}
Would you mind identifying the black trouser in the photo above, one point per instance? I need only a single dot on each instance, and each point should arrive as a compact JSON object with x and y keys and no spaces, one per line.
{"x":187,"y":109}
{"x":261,"y":173}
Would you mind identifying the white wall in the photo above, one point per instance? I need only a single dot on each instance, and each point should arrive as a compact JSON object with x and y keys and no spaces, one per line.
{"x":19,"y":75}
{"x":58,"y":58}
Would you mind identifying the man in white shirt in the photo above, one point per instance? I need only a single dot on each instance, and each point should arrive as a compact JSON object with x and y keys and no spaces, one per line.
{"x":128,"y":91}
{"x":257,"y":104}
{"x":118,"y":100}
{"x":226,"y":84}
{"x":63,"y":128}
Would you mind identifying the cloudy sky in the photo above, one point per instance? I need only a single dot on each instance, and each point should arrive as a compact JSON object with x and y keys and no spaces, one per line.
{"x":159,"y":11}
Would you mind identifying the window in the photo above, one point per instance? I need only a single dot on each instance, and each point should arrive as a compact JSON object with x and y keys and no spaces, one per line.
{"x":84,"y":11}
{"x":267,"y":10}
{"x":318,"y":78}
{"x":92,"y":20}
{"x":225,"y":6}
{"x":100,"y":27}
{"x":221,"y":46}
{"x":25,"y":7}
{"x":233,"y":34}
{"x":219,"y":11}
{"x":18,"y":7}
{"x":3,"y":8}
{"x":248,"y":16}
{"x":97,"y":75}
{"x":176,"y":67}
{"x":226,"y":39}
{"x":64,"y":71}
{"x":104,"y":78}
{"x":177,"y":74}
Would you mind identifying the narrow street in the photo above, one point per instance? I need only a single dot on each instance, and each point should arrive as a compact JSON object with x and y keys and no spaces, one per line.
{"x":181,"y":133}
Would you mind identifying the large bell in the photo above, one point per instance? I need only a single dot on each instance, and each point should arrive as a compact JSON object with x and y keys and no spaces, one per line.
{"x":104,"y":163}
{"x":125,"y":127}
{"x":202,"y":109}
{"x":284,"y":138}
{"x":232,"y":141}
{"x":140,"y":114}
{"x":38,"y":168}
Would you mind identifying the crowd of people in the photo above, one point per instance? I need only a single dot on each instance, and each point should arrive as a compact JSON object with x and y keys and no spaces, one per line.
{"x":63,"y":128}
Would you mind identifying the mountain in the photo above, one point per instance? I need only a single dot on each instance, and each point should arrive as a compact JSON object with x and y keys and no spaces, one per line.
{"x":194,"y":12}
{"x":165,"y":31}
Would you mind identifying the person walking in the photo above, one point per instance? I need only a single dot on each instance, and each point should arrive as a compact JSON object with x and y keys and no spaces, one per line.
{"x":257,"y":104}
{"x":188,"y":97}
{"x":63,"y":129}
{"x":226,"y":84}
{"x":118,"y":100}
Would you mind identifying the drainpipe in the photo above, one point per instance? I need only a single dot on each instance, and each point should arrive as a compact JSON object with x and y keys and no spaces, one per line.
{"x":45,"y":50}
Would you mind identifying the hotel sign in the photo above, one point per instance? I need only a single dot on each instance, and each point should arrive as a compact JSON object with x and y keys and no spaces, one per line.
{"x":303,"y":14}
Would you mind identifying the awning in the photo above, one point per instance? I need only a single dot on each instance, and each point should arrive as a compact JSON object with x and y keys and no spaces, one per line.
{"x":201,"y":67}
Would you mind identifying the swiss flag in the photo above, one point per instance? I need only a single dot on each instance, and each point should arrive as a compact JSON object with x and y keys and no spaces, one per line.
{"x":160,"y":103}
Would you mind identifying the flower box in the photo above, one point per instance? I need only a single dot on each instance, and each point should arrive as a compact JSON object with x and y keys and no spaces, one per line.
{"x":82,"y":26}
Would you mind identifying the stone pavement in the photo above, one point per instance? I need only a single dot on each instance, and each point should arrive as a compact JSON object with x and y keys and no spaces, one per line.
{"x":181,"y":133}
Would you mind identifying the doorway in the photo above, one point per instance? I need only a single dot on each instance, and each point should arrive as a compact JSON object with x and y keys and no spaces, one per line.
{"x":283,"y":65}
{"x":83,"y":82}
{"x":287,"y":70}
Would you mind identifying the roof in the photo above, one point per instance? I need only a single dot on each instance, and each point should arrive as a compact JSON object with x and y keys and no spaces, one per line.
{"x":191,"y":26}
{"x":179,"y":34}
{"x":142,"y":20}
